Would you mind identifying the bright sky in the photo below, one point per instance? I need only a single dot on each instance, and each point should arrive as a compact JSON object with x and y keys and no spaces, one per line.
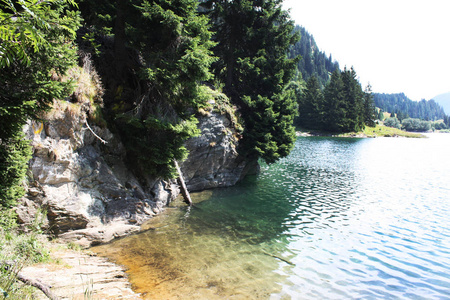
{"x":395,"y":45}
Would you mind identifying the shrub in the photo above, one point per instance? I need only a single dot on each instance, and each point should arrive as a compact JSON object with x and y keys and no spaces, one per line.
{"x":392,"y":122}
{"x":416,"y":125}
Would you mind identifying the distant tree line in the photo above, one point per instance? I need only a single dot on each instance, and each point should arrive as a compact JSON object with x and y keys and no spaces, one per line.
{"x":314,"y":62}
{"x":342,"y":106}
{"x":404,"y":107}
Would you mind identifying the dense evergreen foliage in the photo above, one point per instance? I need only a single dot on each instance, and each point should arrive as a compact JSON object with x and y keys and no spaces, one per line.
{"x":332,"y":100}
{"x":153,"y":97}
{"x":36,"y":50}
{"x":156,"y":59}
{"x":314,"y":62}
{"x":404,"y":107}
{"x":253,"y":38}
{"x":341,"y":107}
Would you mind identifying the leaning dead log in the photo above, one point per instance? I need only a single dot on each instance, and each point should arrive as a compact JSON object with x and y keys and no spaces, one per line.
{"x":184,"y":190}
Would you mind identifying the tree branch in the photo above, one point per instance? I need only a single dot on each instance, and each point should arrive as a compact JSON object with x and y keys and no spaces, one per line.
{"x":11,"y":266}
{"x":89,"y":127}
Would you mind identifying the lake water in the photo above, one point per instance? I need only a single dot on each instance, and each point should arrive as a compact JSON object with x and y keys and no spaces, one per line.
{"x":337,"y":219}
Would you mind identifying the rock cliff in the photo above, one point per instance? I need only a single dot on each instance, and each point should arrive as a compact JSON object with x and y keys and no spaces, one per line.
{"x":213,"y":160}
{"x":78,"y":175}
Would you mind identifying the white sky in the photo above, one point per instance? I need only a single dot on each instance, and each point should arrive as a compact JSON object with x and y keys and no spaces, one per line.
{"x":395,"y":45}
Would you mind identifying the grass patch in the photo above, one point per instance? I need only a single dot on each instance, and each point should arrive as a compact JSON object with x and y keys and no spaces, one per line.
{"x":377,"y":131}
{"x":383,"y":131}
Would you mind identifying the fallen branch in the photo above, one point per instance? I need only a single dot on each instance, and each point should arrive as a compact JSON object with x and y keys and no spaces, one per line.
{"x":89,"y":127}
{"x":280,"y":258}
{"x":43,"y":287}
{"x":12,"y":266}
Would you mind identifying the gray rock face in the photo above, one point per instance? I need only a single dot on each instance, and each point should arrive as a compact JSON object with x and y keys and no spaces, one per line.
{"x":84,"y":184}
{"x":213,"y":160}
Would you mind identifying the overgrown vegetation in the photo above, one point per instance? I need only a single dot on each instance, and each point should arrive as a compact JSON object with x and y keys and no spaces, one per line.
{"x":152,"y":77}
{"x":36,"y":49}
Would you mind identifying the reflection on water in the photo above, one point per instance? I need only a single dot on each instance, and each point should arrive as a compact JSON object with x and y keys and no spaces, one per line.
{"x":337,"y":219}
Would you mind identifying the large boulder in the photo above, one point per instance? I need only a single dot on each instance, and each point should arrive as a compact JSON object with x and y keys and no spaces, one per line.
{"x":213,"y":160}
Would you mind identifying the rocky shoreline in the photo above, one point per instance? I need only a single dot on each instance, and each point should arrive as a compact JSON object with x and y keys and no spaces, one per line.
{"x":79,"y":179}
{"x":80,"y":184}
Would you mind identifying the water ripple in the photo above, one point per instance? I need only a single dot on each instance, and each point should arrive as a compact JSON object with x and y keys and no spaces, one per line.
{"x":337,"y":219}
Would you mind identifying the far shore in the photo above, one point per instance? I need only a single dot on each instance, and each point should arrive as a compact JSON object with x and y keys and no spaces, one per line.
{"x":368,"y":132}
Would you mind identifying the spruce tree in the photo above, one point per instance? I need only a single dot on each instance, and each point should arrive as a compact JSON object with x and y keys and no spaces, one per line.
{"x":335,"y":107}
{"x":253,"y":39}
{"x":353,"y":94}
{"x":370,"y":114}
{"x":312,"y":106}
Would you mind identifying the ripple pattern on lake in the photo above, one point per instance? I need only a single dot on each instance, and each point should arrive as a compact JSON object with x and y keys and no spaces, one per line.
{"x":337,"y":219}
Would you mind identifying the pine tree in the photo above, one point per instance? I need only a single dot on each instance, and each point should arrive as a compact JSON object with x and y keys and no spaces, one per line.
{"x":335,"y":107}
{"x":353,"y":94}
{"x":253,"y":39}
{"x":312,"y":106}
{"x":370,"y":114}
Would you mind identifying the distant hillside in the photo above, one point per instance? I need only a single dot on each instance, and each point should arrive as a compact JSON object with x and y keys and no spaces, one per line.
{"x":444,"y":101}
{"x":314,"y":61}
{"x":405,"y":107}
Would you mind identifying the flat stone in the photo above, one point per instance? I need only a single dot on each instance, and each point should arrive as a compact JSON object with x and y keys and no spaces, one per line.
{"x":77,"y":274}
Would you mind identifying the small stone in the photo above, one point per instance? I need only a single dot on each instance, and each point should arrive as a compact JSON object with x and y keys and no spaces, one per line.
{"x":34,"y":192}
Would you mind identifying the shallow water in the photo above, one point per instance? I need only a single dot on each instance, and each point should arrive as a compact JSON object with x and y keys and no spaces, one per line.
{"x":338,"y":219}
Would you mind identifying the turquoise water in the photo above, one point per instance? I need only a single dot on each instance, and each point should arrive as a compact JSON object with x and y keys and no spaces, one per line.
{"x":338,"y":219}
